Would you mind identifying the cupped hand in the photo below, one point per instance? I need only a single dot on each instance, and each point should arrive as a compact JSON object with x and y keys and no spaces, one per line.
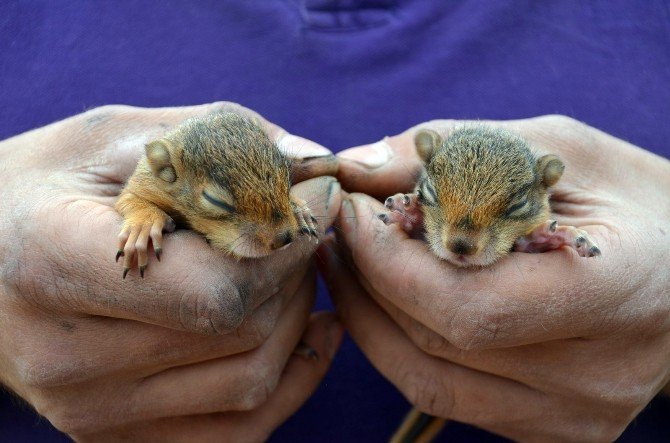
{"x":201,"y":348}
{"x":537,"y":346}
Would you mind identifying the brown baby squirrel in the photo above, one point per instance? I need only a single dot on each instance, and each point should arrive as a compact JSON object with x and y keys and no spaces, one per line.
{"x":482,"y":194}
{"x":219,"y":175}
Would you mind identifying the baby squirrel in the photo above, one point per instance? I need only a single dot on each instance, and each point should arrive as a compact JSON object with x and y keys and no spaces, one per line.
{"x":481,"y":195}
{"x":219,"y":175}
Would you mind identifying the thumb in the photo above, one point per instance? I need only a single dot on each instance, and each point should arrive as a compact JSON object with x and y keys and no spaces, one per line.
{"x":387,"y":166}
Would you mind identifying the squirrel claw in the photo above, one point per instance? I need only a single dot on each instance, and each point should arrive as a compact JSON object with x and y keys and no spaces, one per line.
{"x":141,"y":228}
{"x":307,"y":223}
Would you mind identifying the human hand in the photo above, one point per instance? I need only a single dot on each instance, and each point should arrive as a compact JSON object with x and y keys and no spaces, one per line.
{"x":538,"y":346}
{"x":200,"y":349}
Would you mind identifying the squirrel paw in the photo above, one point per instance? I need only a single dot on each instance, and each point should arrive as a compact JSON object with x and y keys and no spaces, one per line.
{"x":307,"y":223}
{"x":405,"y":211}
{"x":550,"y":236}
{"x":134,"y":238}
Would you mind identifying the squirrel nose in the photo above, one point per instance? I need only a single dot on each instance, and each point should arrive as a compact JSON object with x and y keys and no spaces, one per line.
{"x":462,"y":246}
{"x":282,"y":239}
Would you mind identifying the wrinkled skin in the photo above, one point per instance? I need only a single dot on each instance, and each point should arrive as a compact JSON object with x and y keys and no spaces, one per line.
{"x":545,"y":346}
{"x":198,"y":350}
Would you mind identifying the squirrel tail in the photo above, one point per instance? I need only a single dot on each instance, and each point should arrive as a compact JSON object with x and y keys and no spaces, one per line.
{"x":418,"y":427}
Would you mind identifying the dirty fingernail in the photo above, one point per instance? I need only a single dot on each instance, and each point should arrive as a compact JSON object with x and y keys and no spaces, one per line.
{"x":372,"y":156}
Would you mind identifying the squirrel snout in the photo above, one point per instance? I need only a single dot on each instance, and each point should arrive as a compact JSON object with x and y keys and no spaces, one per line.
{"x":462,"y":246}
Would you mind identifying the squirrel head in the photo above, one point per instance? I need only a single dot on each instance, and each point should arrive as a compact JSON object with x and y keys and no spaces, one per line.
{"x":480,"y":191}
{"x":228,"y":181}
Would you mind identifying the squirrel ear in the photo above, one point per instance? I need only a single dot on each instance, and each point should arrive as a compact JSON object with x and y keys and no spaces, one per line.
{"x":549,"y":169}
{"x":158,"y":157}
{"x":427,"y":142}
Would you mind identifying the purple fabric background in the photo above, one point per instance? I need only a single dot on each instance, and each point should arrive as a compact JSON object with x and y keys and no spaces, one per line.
{"x":343,"y":73}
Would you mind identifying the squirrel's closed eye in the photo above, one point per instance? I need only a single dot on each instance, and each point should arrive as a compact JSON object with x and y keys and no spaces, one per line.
{"x":517,"y":208}
{"x":218,"y":203}
{"x":426,"y":194}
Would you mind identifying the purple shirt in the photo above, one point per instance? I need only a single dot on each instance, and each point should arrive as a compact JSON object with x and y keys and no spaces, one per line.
{"x":344,"y":73}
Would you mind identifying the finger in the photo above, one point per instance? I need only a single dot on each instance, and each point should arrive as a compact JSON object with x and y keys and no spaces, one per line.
{"x":576,"y":368}
{"x":194,"y":287}
{"x":514,"y":302}
{"x":299,"y":380}
{"x":127,"y":346}
{"x":434,"y":386}
{"x":382,"y":168}
{"x":308,"y":159}
{"x":392,"y":165}
{"x":301,"y":376}
{"x":388,"y":166}
{"x":241,"y":382}
{"x":120,"y":132}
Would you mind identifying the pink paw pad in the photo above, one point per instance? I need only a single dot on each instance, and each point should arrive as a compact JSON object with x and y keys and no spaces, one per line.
{"x":405,"y":211}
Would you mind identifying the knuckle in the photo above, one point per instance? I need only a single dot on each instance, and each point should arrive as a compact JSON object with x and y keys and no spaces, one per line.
{"x":103,"y":113}
{"x":427,"y":392}
{"x":442,"y":126}
{"x":256,"y":331}
{"x":560,"y":122}
{"x":224,"y":106}
{"x":478,"y":325}
{"x":623,"y":401}
{"x":71,"y":422}
{"x":216,"y":310}
{"x":65,"y":415}
{"x":600,"y":430}
{"x":427,"y":340}
{"x":52,"y":372}
{"x":261,"y":384}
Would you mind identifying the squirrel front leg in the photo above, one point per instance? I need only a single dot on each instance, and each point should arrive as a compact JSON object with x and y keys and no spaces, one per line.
{"x":550,"y":235}
{"x":405,"y":211}
{"x":306,"y":221}
{"x":142,"y":220}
